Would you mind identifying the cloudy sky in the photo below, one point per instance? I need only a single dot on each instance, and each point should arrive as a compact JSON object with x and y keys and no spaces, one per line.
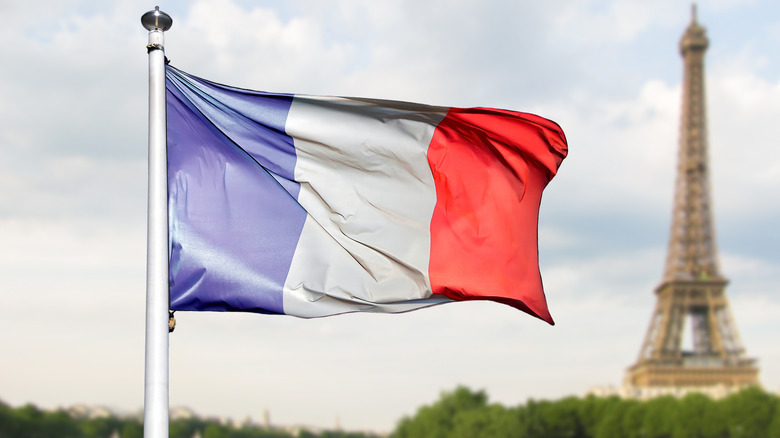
{"x":73,"y":84}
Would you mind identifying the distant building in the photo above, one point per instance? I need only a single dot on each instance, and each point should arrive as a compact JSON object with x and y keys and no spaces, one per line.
{"x":181,"y":413}
{"x":82,"y":411}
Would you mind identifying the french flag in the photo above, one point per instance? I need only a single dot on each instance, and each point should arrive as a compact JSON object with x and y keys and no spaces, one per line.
{"x":315,"y":206}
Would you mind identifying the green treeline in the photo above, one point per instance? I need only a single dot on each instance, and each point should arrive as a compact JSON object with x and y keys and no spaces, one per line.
{"x":30,"y":422}
{"x":463,"y":413}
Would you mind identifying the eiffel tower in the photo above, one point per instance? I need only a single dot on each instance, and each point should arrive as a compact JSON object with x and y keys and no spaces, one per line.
{"x":692,"y":294}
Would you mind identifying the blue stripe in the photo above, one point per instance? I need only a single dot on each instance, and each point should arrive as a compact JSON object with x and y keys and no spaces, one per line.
{"x":234,"y":219}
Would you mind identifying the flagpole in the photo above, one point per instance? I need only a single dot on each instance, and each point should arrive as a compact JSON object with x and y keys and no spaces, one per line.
{"x":157,"y":301}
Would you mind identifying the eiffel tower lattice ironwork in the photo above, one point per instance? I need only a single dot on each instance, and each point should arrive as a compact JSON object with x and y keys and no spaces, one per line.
{"x":692,"y":294}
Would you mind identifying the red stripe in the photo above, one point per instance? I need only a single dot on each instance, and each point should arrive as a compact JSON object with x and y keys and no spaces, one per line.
{"x":490,"y":167}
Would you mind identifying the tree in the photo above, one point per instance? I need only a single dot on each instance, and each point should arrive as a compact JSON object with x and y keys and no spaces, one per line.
{"x":612,"y":424}
{"x":99,"y":427}
{"x":750,"y":412}
{"x":592,"y":410}
{"x":213,"y":430}
{"x":438,"y":420}
{"x":659,"y":417}
{"x":559,"y":419}
{"x":633,"y":423}
{"x":773,"y":431}
{"x":28,"y":419}
{"x":132,"y":429}
{"x":59,"y":424}
{"x":493,"y":421}
{"x":690,"y":416}
{"x":185,"y":428}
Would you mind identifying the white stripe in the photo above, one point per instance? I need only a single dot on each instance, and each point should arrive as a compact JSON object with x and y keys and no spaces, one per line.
{"x":369,"y":193}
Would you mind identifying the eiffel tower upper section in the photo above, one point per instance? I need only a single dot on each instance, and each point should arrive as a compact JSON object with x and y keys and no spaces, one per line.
{"x":692,"y":253}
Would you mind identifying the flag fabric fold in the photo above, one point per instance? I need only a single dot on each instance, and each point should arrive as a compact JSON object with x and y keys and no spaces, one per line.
{"x":314,"y":206}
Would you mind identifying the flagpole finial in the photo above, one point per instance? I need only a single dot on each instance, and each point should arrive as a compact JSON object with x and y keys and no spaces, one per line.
{"x":156,"y":20}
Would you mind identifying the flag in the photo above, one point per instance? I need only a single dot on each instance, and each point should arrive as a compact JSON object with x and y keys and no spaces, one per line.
{"x":314,"y":206}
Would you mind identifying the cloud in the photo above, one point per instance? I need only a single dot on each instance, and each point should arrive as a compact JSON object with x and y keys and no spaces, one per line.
{"x":261,"y":50}
{"x":610,"y":22}
{"x":744,"y":155}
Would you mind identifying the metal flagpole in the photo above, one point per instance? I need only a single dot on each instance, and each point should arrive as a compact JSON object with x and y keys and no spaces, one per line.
{"x":157,"y":301}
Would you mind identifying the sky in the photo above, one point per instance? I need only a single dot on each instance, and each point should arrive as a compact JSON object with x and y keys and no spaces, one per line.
{"x":73,"y":151}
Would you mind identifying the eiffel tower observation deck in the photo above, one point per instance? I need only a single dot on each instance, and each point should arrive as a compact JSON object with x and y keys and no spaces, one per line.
{"x":691,"y":299}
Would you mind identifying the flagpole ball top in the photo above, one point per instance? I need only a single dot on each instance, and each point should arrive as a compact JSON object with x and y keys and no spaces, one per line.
{"x":156,"y":20}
